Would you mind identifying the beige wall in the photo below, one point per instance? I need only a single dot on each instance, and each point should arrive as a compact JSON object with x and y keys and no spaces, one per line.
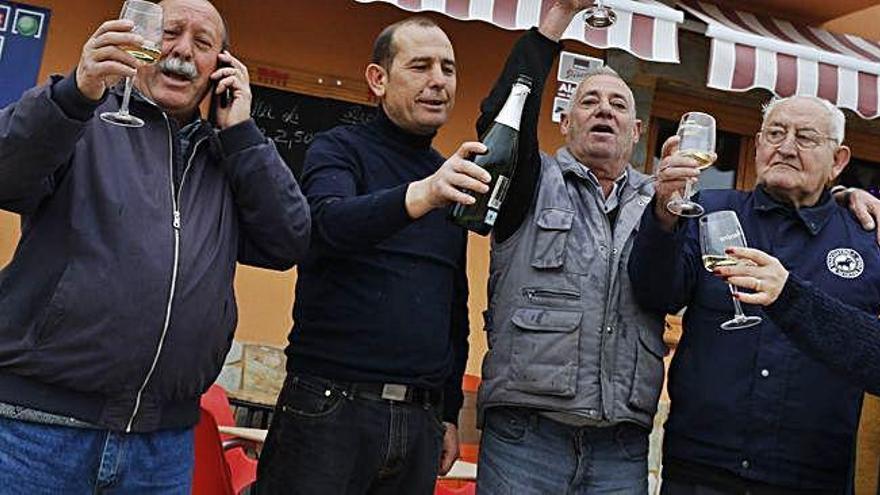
{"x":864,"y":23}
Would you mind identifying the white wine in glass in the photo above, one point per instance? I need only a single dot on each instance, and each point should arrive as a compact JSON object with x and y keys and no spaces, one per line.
{"x":718,"y":231}
{"x":713,"y":261}
{"x":696,"y":132}
{"x":149,"y":54}
{"x":147,"y":19}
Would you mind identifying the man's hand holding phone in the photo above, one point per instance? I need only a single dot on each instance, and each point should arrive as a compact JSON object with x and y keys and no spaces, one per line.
{"x":231,"y":75}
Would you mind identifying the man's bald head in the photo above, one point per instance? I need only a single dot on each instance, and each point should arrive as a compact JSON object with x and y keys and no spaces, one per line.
{"x":194,"y":35}
{"x":207,"y":7}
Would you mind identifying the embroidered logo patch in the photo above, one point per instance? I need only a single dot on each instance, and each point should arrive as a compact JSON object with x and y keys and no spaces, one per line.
{"x":845,"y":262}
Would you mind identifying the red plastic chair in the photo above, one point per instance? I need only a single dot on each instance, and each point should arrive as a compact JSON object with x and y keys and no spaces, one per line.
{"x":222,"y":467}
{"x":449,"y":487}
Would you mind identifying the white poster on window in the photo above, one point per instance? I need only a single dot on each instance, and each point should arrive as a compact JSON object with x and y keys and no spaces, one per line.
{"x":572,"y":68}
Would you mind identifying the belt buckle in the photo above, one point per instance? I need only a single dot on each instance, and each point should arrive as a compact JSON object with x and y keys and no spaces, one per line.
{"x":394,"y":391}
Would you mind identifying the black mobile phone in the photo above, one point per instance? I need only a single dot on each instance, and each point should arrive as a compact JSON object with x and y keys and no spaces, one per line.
{"x":222,"y":100}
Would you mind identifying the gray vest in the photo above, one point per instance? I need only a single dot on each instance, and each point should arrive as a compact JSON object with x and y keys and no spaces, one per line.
{"x":564,"y":331}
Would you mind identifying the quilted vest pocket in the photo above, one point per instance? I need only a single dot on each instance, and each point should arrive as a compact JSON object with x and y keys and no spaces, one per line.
{"x":544,"y":356}
{"x":648,"y":377}
{"x":554,"y":225}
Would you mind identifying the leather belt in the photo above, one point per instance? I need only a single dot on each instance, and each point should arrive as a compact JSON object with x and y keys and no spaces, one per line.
{"x":397,"y":393}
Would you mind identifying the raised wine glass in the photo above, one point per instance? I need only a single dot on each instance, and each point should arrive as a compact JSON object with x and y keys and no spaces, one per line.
{"x":147,"y":18}
{"x":697,"y":133}
{"x":599,"y":16}
{"x":718,"y":231}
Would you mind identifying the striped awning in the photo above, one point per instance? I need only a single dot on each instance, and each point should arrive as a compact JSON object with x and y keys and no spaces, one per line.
{"x":756,"y":51}
{"x":646,"y":28}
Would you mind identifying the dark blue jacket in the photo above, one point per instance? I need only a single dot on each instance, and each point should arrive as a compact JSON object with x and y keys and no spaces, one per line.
{"x":749,"y":401}
{"x":381,"y":298}
{"x":847,"y":341}
{"x":118,"y":306}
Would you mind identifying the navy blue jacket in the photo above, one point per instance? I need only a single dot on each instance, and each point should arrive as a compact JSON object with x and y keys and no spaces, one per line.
{"x":749,"y":401}
{"x":847,"y":341}
{"x":118,"y":307}
{"x":381,"y":298}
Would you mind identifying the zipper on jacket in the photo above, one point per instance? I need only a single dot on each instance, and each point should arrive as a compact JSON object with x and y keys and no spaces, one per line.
{"x":176,"y":223}
{"x":532,"y":293}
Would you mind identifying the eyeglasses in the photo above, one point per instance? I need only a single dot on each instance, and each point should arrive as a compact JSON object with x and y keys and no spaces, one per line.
{"x":804,"y":139}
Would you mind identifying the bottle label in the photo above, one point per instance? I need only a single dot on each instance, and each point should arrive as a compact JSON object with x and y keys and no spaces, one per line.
{"x":491,"y":215}
{"x":499,"y":193}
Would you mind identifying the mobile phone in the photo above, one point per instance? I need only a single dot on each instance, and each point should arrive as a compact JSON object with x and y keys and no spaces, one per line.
{"x":222,"y":100}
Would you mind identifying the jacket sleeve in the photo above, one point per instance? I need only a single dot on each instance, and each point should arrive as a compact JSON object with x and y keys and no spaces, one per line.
{"x":453,"y":397}
{"x":533,"y":55}
{"x":841,"y":336}
{"x":664,"y":266}
{"x":346,"y":218}
{"x":38,"y":135}
{"x":274,"y":221}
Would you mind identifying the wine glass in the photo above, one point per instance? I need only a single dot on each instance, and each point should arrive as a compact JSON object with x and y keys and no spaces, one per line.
{"x":697,"y":133}
{"x":147,"y":18}
{"x":599,"y":16}
{"x":718,"y":231}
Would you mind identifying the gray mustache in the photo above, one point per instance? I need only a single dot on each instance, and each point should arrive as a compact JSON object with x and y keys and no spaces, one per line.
{"x":178,"y":66}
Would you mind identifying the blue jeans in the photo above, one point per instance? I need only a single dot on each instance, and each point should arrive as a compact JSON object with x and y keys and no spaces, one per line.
{"x":322,"y":441}
{"x":524,"y":453}
{"x":40,"y":459}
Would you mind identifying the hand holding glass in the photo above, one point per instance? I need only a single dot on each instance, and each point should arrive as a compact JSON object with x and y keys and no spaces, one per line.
{"x":697,"y":141}
{"x":599,"y":16}
{"x":719,"y":231}
{"x":147,"y":19}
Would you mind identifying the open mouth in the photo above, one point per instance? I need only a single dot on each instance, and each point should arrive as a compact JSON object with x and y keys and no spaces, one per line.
{"x":432,"y":102}
{"x":602,"y":129}
{"x":176,"y":76}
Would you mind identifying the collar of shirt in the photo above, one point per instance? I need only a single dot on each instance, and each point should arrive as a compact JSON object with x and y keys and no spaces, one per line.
{"x":813,"y":218}
{"x":570,"y":165}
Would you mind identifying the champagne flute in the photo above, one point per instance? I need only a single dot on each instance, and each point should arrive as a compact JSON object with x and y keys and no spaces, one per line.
{"x":147,"y":18}
{"x":599,"y":16}
{"x":697,"y":133}
{"x":718,"y":231}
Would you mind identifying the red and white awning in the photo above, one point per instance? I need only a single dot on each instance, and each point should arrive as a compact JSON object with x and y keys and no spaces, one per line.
{"x":646,"y":28}
{"x":752,"y":50}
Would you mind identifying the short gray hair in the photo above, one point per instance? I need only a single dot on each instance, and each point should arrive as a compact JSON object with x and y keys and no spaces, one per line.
{"x":836,"y":118}
{"x":602,"y":70}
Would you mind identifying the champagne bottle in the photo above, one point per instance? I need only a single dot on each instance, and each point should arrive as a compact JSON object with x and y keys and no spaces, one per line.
{"x":501,"y":140}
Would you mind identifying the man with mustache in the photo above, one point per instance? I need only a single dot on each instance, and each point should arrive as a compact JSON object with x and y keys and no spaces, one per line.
{"x":751,"y":411}
{"x":117,"y":308}
{"x":379,"y":344}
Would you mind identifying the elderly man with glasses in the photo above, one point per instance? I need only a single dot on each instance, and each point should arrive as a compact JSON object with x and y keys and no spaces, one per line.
{"x":751,"y":411}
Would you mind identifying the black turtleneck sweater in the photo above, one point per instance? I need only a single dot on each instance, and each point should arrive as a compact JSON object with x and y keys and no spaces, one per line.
{"x":381,"y":297}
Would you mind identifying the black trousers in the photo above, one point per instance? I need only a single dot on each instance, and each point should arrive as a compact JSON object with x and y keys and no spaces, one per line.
{"x":323,"y":441}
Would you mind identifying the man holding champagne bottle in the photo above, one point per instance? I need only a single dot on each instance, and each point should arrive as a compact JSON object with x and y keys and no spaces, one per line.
{"x":379,"y":344}
{"x":118,"y":307}
{"x":751,"y":412}
{"x":574,"y":367}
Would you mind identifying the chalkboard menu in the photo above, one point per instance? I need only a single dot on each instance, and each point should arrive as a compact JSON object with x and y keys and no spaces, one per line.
{"x":292,"y":120}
